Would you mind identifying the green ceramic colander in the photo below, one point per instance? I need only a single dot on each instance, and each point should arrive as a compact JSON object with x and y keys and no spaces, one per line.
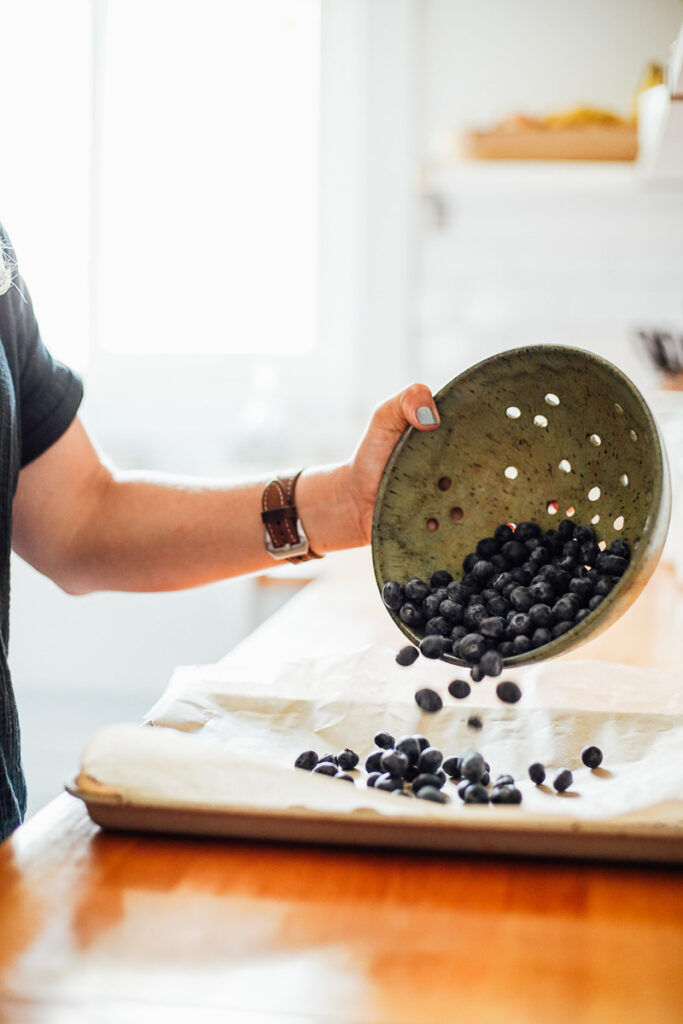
{"x":538,"y":433}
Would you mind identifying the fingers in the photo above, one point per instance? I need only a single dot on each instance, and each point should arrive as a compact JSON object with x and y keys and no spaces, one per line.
{"x":413,"y":405}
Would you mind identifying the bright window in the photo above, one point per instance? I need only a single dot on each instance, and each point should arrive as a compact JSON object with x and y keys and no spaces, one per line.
{"x":207,"y":191}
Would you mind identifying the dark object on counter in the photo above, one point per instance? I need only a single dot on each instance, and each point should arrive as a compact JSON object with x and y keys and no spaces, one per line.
{"x":563,"y":780}
{"x":428,"y":700}
{"x":591,"y":756}
{"x":407,"y":655}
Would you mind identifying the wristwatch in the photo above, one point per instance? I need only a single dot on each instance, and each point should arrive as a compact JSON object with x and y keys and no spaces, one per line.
{"x":285,"y":537}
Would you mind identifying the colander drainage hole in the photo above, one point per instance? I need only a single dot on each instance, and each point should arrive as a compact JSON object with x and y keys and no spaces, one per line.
{"x":553,"y":508}
{"x":633,"y":435}
{"x":595,"y":440}
{"x":571,"y":511}
{"x":444,"y":483}
{"x":595,"y":519}
{"x":594,"y":494}
{"x":552,"y":399}
{"x":623,"y":479}
{"x":432,"y":525}
{"x":619,"y":523}
{"x":565,"y":466}
{"x":512,"y":412}
{"x":511,"y":472}
{"x":456,"y":514}
{"x":602,"y":544}
{"x":540,"y":421}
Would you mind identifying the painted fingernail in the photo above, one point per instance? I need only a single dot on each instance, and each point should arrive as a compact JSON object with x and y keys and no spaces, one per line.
{"x":426,"y":417}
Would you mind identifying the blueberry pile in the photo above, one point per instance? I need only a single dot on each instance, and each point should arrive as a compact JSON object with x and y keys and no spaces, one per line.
{"x":411,"y":766}
{"x":520,"y":589}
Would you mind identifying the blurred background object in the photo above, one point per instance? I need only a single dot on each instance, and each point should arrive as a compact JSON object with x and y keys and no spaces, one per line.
{"x":245,"y":224}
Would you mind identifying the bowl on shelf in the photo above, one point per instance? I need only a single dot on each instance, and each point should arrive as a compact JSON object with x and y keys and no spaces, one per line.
{"x":539,"y":433}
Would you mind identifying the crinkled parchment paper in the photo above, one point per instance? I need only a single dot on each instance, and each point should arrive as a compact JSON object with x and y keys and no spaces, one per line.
{"x":231,"y":741}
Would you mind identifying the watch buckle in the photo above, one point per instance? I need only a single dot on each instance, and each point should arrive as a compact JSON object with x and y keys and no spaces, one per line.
{"x":288,"y":550}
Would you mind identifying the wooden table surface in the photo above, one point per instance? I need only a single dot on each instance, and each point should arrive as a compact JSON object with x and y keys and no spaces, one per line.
{"x":103,"y":927}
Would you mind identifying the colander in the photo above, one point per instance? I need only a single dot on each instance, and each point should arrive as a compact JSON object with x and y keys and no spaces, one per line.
{"x":538,"y":433}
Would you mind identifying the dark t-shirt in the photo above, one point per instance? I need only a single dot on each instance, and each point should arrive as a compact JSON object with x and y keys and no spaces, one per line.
{"x":39,"y":398}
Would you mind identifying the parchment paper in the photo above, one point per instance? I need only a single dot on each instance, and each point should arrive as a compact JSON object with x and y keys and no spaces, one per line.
{"x":233,"y":741}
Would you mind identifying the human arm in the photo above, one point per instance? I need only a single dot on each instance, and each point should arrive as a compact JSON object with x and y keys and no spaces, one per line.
{"x":89,"y":528}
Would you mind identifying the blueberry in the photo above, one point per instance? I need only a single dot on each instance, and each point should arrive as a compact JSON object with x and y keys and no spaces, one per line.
{"x":476,"y":794}
{"x":427,"y":779}
{"x":308,"y":760}
{"x":563,"y":780}
{"x":604,"y":586}
{"x":560,"y":580}
{"x":491,"y":663}
{"x":438,"y":626}
{"x":566,"y":529}
{"x":457,"y":592}
{"x":411,"y":773}
{"x":583,"y":589}
{"x":410,"y":614}
{"x":457,"y":633}
{"x":459,"y":689}
{"x":441,"y":578}
{"x":519,"y":625}
{"x":540,"y":637}
{"x":416,"y":589}
{"x":469,"y":562}
{"x":492,"y":628}
{"x":560,"y":628}
{"x":471,"y":648}
{"x":430,"y":605}
{"x":589,"y":553}
{"x":567,"y":564}
{"x":522,"y":574}
{"x":395,"y":762}
{"x":501,"y":581}
{"x":620,"y":548}
{"x":583,"y":534}
{"x":595,"y":601}
{"x":332,"y":758}
{"x":477,"y":673}
{"x":473,"y":765}
{"x":521,"y":599}
{"x":372,"y":761}
{"x":581,"y":615}
{"x":433,"y":794}
{"x":407,"y":655}
{"x":611,"y":565}
{"x":483,"y":571}
{"x":384,"y":740}
{"x":502,"y":534}
{"x":430,"y":760}
{"x":485,"y":779}
{"x":527,"y":531}
{"x":505,"y":795}
{"x":508,"y":692}
{"x":539,"y":555}
{"x":453,"y":767}
{"x":521,"y":644}
{"x":475,"y":722}
{"x":473,"y":615}
{"x":566,"y":608}
{"x":410,"y":746}
{"x":428,"y":700}
{"x":452,"y":611}
{"x":536,"y":772}
{"x":432,"y":646}
{"x":423,"y":742}
{"x":497,"y":606}
{"x":347,"y":759}
{"x":388,"y":781}
{"x":504,"y":780}
{"x":372,"y":778}
{"x":540,"y":615}
{"x":514,"y":552}
{"x":325,"y":768}
{"x":487,"y":547}
{"x":591,"y":756}
{"x":506,"y":649}
{"x":345,"y":776}
{"x":393,"y":595}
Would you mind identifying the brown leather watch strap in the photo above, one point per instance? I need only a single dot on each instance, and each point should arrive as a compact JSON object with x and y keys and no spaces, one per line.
{"x":285,"y":536}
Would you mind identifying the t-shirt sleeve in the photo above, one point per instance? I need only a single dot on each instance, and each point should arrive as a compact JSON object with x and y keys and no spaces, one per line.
{"x":48,"y":394}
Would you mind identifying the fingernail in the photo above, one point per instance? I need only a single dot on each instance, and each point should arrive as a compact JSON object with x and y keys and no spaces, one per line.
{"x":426,"y":417}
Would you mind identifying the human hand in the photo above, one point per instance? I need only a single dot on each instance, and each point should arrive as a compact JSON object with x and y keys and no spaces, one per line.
{"x":413,"y":406}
